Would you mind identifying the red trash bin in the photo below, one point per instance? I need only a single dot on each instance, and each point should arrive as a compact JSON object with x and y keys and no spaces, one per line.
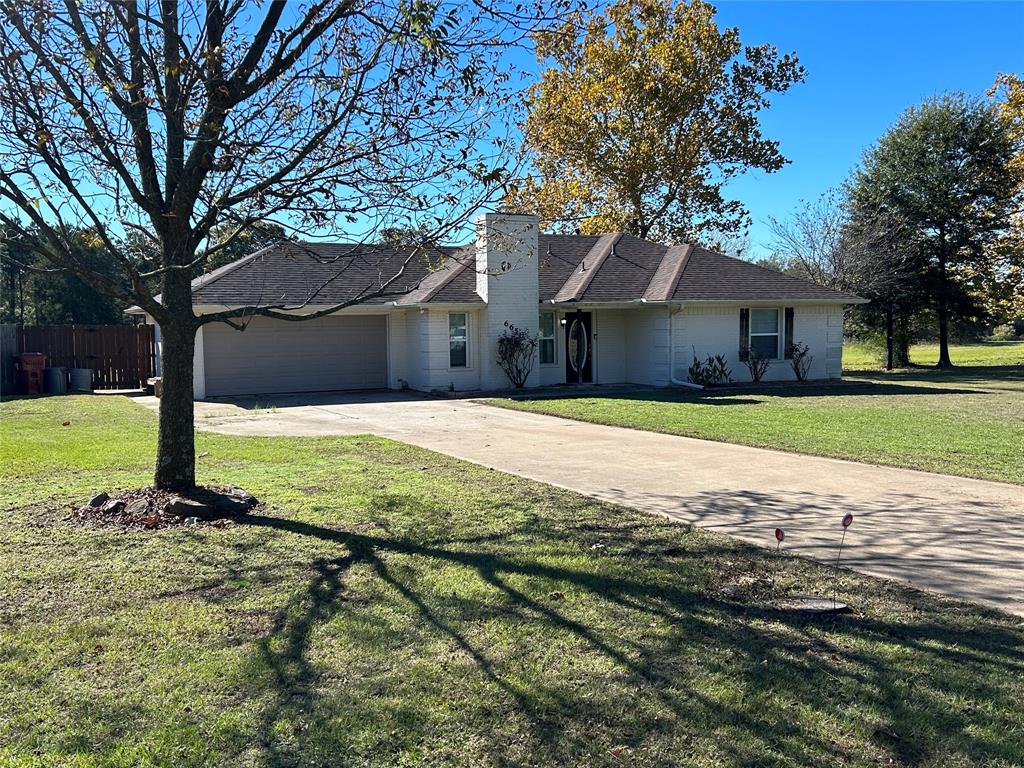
{"x":30,"y":367}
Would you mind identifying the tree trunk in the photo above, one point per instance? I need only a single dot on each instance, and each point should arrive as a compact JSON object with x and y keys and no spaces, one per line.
{"x":888,"y":339}
{"x":943,"y":312}
{"x":942,"y":309}
{"x":175,"y":453}
{"x":901,"y":343}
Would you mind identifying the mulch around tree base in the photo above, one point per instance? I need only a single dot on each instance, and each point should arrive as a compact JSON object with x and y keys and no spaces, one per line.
{"x":217,"y":506}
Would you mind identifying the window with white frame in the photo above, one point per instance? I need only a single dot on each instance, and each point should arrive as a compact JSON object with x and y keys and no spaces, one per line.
{"x":764,"y":332}
{"x":546,"y":338}
{"x":458,"y":340}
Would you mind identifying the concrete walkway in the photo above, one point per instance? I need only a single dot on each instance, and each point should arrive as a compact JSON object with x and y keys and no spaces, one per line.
{"x":957,"y":536}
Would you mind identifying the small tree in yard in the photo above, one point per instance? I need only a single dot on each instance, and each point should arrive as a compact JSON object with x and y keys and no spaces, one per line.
{"x":516,"y":353}
{"x":178,"y":129}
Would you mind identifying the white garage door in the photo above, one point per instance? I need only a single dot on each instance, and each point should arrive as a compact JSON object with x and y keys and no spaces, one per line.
{"x":309,"y":356}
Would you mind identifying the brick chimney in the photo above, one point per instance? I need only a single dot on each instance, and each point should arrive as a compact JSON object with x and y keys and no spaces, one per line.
{"x":506,"y":279}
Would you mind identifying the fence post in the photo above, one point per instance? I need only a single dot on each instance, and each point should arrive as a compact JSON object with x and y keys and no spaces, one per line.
{"x":10,"y":337}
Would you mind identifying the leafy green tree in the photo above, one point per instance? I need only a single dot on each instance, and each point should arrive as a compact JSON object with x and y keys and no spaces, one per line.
{"x":33,"y":292}
{"x":946,"y":171}
{"x":15,"y":261}
{"x":643,"y":116}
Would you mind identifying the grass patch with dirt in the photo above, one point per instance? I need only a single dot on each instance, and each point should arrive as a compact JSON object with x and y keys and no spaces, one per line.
{"x":966,"y":421}
{"x":397,"y":607}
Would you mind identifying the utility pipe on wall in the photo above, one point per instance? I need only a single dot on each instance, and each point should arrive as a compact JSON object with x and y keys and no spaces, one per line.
{"x":672,"y":354}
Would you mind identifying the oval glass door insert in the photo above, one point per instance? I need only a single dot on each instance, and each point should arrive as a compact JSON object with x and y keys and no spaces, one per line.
{"x":577,"y":345}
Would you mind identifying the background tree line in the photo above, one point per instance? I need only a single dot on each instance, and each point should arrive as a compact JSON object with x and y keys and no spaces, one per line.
{"x":33,"y":292}
{"x":930,"y":226}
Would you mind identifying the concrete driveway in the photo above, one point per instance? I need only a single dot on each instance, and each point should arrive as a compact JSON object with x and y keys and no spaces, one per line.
{"x":953,"y":535}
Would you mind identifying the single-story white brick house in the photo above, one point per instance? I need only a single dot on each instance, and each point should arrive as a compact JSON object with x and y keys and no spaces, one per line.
{"x":608,"y":309}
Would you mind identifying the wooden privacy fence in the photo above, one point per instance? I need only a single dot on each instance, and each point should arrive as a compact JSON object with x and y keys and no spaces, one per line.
{"x":120,"y":356}
{"x":8,"y":349}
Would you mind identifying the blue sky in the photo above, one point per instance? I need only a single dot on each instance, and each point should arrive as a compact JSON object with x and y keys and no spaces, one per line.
{"x":866,"y":62}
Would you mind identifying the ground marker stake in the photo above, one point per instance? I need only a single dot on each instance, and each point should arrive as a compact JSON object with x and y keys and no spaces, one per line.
{"x":780,"y":536}
{"x":847,"y":520}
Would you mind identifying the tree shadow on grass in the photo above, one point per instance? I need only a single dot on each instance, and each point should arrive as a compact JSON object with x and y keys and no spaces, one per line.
{"x":968,"y":374}
{"x":545,"y":662}
{"x":746,"y":394}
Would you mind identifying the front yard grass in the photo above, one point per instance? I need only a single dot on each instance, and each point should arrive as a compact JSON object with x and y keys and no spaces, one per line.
{"x":968,"y":421}
{"x":397,"y":607}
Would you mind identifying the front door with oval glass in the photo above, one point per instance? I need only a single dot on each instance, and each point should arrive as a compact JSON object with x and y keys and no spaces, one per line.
{"x":578,"y":348}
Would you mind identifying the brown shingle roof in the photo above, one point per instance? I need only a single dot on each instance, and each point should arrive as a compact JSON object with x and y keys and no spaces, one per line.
{"x":664,"y":282}
{"x":710,"y":276}
{"x":325,"y":273}
{"x":571,"y":268}
{"x":588,"y":268}
{"x":559,"y":256}
{"x":446,"y":283}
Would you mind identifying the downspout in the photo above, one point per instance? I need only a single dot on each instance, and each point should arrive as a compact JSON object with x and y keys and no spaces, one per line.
{"x":672,"y":355}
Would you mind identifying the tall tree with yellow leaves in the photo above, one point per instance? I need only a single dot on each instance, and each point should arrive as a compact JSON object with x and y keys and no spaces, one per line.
{"x":643,"y":115}
{"x":1003,"y":288}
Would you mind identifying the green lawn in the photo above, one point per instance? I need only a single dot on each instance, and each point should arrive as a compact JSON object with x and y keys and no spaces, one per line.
{"x":858,"y":357}
{"x":395,"y":607}
{"x":968,"y":421}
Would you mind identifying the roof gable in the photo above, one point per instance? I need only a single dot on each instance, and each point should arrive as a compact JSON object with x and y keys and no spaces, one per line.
{"x":664,"y":282}
{"x":575,"y":286}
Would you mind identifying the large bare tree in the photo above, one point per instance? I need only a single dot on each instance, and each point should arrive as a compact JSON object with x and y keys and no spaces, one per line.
{"x":858,"y":248}
{"x":169,"y":120}
{"x":814,"y":241}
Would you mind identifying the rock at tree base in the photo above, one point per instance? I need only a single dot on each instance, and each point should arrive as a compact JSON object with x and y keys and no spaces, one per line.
{"x":229,"y":499}
{"x":213,"y":502}
{"x":152,"y":509}
{"x":241,"y":494}
{"x":112,"y":507}
{"x":179,"y":506}
{"x":138,"y":507}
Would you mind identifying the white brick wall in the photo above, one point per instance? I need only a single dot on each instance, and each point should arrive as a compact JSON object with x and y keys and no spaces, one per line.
{"x":609,"y":326}
{"x":554,"y":373}
{"x":439,"y":373}
{"x":198,"y":367}
{"x":834,"y":342}
{"x":398,"y":357}
{"x":647,"y":346}
{"x":714,"y":329}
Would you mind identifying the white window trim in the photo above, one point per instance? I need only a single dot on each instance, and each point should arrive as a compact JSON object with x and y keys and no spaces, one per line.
{"x":779,"y":319}
{"x":469,"y":345}
{"x":553,"y":337}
